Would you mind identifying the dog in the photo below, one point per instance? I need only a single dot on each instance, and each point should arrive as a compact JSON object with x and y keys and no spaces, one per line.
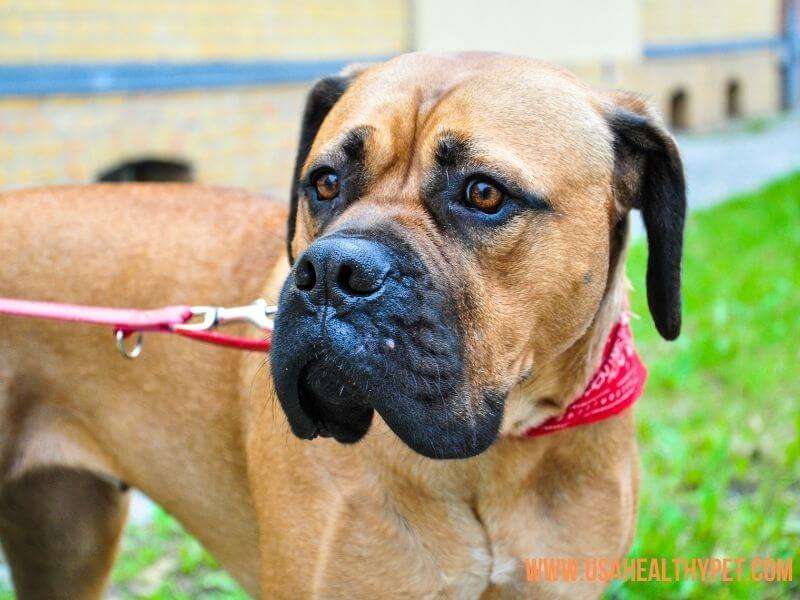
{"x":456,"y":239}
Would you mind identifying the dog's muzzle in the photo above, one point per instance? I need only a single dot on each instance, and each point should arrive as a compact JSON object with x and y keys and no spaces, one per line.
{"x":362,"y":326}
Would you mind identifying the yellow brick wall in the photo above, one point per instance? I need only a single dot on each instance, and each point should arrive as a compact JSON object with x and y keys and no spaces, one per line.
{"x":240,"y":137}
{"x":247,"y":136}
{"x":148,"y":30}
{"x":666,"y":21}
{"x":703,"y":78}
{"x":244,"y":136}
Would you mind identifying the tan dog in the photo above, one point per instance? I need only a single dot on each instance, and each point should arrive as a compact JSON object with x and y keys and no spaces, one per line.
{"x":457,"y":232}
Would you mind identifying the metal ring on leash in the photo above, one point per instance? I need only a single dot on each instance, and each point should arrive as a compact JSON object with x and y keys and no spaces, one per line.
{"x":120,"y":336}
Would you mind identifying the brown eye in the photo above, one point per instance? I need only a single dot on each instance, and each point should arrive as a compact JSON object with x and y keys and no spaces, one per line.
{"x":484,"y":195}
{"x":327,"y":185}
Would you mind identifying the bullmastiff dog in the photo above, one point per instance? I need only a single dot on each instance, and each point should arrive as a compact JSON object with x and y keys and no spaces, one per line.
{"x":456,"y":241}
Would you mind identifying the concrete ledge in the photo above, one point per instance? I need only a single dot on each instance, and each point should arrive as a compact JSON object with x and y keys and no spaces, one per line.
{"x":109,"y":78}
{"x":674,"y":50}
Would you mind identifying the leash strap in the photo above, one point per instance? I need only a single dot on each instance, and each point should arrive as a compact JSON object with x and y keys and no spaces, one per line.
{"x":228,"y":341}
{"x":170,"y":319}
{"x":159,"y":319}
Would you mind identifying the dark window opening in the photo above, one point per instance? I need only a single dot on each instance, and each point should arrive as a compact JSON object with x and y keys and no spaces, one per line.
{"x":786,"y":87}
{"x":679,"y":110}
{"x":148,"y":169}
{"x":733,"y":100}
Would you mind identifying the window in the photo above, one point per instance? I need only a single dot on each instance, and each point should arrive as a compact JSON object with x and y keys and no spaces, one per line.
{"x":679,"y":110}
{"x":733,"y":101}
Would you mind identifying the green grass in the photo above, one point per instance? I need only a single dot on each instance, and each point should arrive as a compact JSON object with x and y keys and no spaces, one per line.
{"x":719,"y":422}
{"x":160,"y":561}
{"x":718,"y":425}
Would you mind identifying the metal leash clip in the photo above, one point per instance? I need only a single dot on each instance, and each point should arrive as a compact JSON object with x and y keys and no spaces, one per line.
{"x":256,"y":313}
{"x":205,"y":318}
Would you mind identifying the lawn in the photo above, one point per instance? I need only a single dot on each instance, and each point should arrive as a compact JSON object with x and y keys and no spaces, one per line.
{"x":718,"y":425}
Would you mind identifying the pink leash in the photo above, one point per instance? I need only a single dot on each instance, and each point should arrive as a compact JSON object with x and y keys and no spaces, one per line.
{"x":171,"y":319}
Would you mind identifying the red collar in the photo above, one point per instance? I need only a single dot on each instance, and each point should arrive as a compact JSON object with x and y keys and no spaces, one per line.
{"x":616,"y":385}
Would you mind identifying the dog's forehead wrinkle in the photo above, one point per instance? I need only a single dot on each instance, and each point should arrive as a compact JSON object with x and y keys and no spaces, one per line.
{"x":350,"y":144}
{"x":451,"y":149}
{"x":405,"y":103}
{"x":551,"y":136}
{"x":354,"y":141}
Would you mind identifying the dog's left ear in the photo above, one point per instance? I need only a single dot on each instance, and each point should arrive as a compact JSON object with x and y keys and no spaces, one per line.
{"x":648,"y":175}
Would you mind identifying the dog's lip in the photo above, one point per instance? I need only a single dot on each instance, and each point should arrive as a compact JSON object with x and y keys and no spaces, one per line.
{"x":311,"y":406}
{"x":300,"y":422}
{"x":309,"y":403}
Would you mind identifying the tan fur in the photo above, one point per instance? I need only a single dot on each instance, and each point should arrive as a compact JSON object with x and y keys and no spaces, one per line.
{"x":198,"y":428}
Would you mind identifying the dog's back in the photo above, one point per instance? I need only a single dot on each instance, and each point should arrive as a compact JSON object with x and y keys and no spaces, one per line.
{"x":117,"y":244}
{"x":68,"y":401}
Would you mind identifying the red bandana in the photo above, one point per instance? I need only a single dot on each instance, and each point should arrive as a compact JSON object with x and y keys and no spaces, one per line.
{"x":615,"y":386}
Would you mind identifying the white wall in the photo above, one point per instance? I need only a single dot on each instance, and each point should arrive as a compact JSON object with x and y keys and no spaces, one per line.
{"x":564,"y":31}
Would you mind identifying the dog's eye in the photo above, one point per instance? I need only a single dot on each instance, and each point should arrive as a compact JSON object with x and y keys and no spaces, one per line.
{"x":484,"y":195}
{"x":327,"y":185}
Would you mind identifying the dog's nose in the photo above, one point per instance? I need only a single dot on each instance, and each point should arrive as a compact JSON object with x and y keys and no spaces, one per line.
{"x":339,"y":268}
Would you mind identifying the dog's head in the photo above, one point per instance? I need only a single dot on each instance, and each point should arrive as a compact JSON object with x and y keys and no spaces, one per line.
{"x":453,"y":225}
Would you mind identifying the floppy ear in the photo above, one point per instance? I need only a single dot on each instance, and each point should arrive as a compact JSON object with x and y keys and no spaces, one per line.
{"x":323,"y":95}
{"x":648,"y":175}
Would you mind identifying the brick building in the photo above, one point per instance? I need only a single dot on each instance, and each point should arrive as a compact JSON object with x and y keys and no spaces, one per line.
{"x":702,"y":62}
{"x":212,"y":91}
{"x":172,"y":89}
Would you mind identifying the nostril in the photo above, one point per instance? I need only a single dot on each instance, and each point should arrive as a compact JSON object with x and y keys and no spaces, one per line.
{"x":356,"y":282}
{"x":305,"y":276}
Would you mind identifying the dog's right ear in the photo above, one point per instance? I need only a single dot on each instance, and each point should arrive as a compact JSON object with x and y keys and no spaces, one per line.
{"x":323,"y":95}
